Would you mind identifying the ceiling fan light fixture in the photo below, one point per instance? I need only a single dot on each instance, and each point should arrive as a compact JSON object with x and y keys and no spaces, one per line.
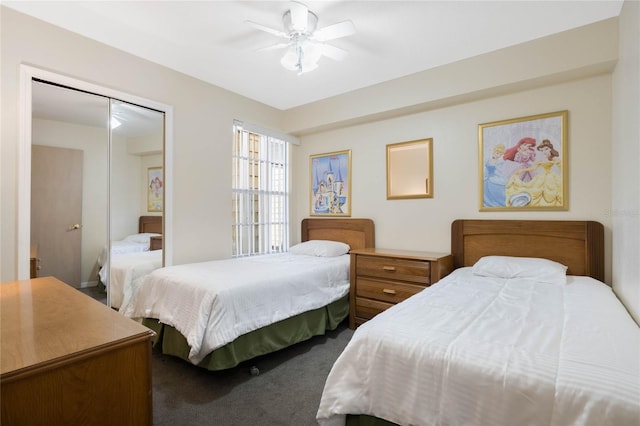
{"x":301,"y":58}
{"x":306,"y":43}
{"x":290,"y":59}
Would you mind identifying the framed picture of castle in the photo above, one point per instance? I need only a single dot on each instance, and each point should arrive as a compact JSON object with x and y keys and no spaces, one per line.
{"x":523,"y":163}
{"x":330,"y":184}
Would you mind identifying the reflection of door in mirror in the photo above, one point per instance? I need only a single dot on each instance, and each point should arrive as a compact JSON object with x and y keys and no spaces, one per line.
{"x":56,"y":211}
{"x":68,"y":181}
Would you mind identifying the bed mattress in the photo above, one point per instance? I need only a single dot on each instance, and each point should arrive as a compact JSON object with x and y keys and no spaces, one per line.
{"x":489,"y":351}
{"x":212,"y":303}
{"x":127,"y":272}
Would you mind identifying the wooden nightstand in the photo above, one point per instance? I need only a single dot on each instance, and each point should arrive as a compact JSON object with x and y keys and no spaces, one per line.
{"x":155,"y":243}
{"x":380,"y":278}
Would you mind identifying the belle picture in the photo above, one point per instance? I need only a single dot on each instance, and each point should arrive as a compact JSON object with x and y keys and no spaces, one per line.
{"x":523,"y":163}
{"x":155,"y":189}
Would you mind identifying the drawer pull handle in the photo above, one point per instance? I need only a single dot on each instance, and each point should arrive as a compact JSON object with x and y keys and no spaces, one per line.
{"x":389,"y":268}
{"x":388,"y":291}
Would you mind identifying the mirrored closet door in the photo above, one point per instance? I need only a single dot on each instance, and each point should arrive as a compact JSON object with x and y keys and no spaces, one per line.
{"x":96,"y":170}
{"x":136,"y":197}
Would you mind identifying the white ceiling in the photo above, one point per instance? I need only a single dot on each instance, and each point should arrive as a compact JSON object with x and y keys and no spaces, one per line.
{"x":210,"y":40}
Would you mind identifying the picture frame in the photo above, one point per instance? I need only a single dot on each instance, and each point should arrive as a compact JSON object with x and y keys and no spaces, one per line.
{"x":155,"y":189}
{"x":330,"y":184}
{"x":523,"y":163}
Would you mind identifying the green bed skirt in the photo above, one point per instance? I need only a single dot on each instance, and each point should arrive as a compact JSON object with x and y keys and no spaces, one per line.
{"x":364,"y":420}
{"x":259,"y":342}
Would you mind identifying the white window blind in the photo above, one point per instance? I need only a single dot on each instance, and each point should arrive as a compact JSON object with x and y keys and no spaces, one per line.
{"x":260,"y":191}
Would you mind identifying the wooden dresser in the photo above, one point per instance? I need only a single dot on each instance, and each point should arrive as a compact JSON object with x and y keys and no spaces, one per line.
{"x":33,"y":261}
{"x":67,"y":359}
{"x":380,"y":278}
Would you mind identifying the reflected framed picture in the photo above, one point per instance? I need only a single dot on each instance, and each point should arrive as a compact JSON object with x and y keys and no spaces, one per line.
{"x":330,"y":184}
{"x":523,"y":163}
{"x":155,"y":189}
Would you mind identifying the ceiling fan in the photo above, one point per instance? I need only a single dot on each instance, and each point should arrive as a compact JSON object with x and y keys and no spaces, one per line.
{"x":305,"y":41}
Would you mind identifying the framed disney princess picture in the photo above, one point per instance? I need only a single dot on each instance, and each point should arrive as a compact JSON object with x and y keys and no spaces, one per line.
{"x":523,"y":163}
{"x":155,"y":190}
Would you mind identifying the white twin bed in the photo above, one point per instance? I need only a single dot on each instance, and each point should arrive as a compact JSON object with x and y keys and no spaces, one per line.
{"x":509,"y":338}
{"x":127,"y":272}
{"x":213,"y":303}
{"x":219,"y":313}
{"x":131,"y":259}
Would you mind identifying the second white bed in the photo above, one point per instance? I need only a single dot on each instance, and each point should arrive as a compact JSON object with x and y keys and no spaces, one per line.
{"x":212,"y":303}
{"x":491,"y":351}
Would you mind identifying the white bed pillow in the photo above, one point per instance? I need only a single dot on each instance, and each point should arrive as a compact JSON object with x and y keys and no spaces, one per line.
{"x":543,"y":270}
{"x":140,"y":238}
{"x":322,"y":248}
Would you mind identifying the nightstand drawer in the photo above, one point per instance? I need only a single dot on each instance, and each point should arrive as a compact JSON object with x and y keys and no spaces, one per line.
{"x":386,"y":291}
{"x":382,"y":278}
{"x":394,"y":269}
{"x":155,"y":243}
{"x":367,"y":308}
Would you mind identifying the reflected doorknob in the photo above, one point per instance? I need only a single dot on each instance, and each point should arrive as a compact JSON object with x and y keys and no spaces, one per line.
{"x":73,"y":227}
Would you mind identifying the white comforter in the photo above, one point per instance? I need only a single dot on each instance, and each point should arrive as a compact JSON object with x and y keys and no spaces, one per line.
{"x":484,"y":351}
{"x":212,"y":303}
{"x":127,"y":272}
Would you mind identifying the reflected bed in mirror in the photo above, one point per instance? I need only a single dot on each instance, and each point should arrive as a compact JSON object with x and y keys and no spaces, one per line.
{"x":131,"y":259}
{"x":410,"y":169}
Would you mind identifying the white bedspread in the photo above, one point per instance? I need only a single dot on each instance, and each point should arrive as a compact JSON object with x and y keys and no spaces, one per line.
{"x":127,"y":271}
{"x":483,"y":351}
{"x":212,"y":303}
{"x":122,"y":247}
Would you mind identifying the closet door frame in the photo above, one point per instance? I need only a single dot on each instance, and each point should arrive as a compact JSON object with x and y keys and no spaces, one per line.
{"x":27,"y":75}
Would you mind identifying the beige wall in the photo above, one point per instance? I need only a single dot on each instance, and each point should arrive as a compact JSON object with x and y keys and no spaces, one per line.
{"x":126,"y":188}
{"x":567,"y":71}
{"x":625,"y":212}
{"x":203,"y":119}
{"x":424,"y":224}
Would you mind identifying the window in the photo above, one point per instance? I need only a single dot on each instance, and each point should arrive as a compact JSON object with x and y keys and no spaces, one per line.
{"x":260,"y":193}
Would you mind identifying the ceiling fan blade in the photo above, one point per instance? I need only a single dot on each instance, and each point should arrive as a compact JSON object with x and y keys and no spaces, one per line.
{"x":266,"y":29}
{"x":299,"y":16}
{"x":274,"y":47}
{"x":341,"y":29}
{"x":333,"y":52}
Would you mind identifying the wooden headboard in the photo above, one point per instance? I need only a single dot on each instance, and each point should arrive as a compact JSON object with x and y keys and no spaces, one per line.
{"x":358,"y":233}
{"x":150,"y":224}
{"x":579,"y":245}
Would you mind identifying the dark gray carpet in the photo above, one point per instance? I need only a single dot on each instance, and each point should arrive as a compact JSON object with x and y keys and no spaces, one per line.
{"x":286,"y":392}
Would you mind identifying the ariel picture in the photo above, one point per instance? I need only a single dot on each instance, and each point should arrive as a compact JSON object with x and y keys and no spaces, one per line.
{"x":330,"y":184}
{"x":523,"y":163}
{"x":155,"y":188}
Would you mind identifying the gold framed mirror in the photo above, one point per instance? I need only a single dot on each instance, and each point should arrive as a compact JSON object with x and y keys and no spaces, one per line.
{"x":410,"y":169}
